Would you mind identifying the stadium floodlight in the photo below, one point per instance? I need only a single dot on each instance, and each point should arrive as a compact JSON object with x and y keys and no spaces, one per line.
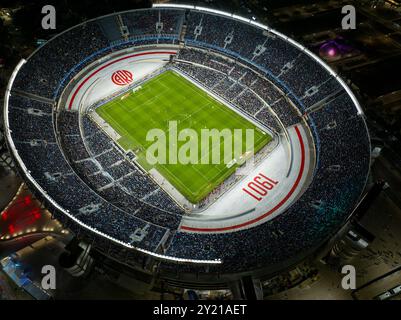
{"x":260,"y":25}
{"x":219,"y":12}
{"x":247,"y":20}
{"x":172,"y":5}
{"x":6,"y":101}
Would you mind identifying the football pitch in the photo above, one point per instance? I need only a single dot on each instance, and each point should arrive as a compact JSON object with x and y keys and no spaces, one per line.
{"x":166,"y":98}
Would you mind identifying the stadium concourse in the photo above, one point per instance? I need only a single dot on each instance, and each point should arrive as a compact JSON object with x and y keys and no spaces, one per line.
{"x":306,"y":179}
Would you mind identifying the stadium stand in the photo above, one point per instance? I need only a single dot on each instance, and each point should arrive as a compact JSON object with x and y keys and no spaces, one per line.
{"x":102,"y":166}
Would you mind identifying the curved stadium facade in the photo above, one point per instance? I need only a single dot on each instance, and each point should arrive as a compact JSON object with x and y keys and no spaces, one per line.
{"x":66,"y":137}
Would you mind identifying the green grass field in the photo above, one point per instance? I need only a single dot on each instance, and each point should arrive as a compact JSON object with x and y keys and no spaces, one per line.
{"x":171,"y":97}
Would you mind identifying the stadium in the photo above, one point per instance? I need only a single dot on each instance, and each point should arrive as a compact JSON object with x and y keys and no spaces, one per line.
{"x":76,"y":115}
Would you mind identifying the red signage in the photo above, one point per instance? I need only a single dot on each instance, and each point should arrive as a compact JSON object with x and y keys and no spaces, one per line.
{"x":260,"y":187}
{"x":122,"y":77}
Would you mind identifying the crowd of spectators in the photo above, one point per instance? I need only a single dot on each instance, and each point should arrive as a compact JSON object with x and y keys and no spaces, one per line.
{"x":248,"y":102}
{"x":51,"y":172}
{"x":287,"y":113}
{"x":235,"y":36}
{"x":266,"y":90}
{"x":226,"y":79}
{"x":31,"y":125}
{"x":104,"y":167}
{"x":126,"y":175}
{"x":153,"y":22}
{"x":277,"y":54}
{"x":325,"y":89}
{"x":111,"y":28}
{"x":312,"y":76}
{"x":49,"y":66}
